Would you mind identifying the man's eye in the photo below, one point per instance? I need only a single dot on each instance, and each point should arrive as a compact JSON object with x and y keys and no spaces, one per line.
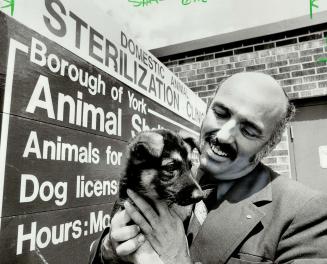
{"x":248,"y":132}
{"x":221,"y":113}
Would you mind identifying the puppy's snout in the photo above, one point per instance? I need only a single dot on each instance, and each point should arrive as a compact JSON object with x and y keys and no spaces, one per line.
{"x":192,"y":193}
{"x":197,"y":194}
{"x":189,"y":196}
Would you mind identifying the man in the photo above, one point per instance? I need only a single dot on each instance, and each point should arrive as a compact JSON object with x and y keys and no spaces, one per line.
{"x":255,"y":215}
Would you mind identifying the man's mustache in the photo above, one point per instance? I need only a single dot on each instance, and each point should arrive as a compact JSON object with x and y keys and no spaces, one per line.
{"x":227,"y":148}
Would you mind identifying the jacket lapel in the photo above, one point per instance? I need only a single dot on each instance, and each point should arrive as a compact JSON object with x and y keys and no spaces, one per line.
{"x":228,"y":225}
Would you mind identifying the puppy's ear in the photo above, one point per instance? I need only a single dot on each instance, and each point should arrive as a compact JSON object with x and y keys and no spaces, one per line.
{"x":146,"y":145}
{"x":140,"y":152}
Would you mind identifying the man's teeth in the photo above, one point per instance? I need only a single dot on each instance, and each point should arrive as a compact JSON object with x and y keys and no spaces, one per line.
{"x":217,"y":150}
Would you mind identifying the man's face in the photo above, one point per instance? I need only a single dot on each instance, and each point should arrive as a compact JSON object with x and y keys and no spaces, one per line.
{"x":239,"y":121}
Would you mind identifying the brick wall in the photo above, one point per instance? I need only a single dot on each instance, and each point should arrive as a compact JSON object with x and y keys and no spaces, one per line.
{"x":290,"y":57}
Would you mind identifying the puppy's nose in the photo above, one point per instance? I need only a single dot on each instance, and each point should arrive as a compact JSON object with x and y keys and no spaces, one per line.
{"x":197,"y":194}
{"x":189,"y":195}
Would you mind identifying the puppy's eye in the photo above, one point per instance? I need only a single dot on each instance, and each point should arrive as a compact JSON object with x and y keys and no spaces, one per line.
{"x":171,"y":167}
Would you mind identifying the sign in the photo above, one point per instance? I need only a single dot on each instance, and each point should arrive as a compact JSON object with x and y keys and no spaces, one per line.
{"x":95,"y":37}
{"x":73,"y":92}
{"x":62,"y":236}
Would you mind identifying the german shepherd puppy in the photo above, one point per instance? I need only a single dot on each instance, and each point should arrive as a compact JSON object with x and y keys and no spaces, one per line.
{"x":159,"y":168}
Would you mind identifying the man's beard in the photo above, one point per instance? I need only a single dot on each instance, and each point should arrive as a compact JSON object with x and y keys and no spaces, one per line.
{"x":265,"y":150}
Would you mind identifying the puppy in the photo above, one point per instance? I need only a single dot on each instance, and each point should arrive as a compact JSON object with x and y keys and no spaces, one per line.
{"x":159,"y":168}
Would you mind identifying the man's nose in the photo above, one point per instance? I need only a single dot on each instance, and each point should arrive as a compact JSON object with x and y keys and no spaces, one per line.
{"x":226,"y":134}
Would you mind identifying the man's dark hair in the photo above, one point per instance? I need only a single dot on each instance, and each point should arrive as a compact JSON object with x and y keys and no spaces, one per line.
{"x":277,"y":133}
{"x":279,"y":128}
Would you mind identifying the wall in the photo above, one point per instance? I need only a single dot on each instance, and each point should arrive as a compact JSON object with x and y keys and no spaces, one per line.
{"x":290,"y":57}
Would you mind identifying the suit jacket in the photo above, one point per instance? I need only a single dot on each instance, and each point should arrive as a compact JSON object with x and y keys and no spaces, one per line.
{"x":264,"y":218}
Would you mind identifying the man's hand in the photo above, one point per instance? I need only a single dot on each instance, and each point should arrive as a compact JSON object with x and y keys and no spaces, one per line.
{"x":164,"y":231}
{"x":123,"y":239}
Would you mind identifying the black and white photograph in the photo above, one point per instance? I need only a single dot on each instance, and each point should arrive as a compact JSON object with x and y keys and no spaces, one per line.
{"x":163,"y":131}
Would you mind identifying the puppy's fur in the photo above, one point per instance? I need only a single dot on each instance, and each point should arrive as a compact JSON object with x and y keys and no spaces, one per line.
{"x":159,"y":168}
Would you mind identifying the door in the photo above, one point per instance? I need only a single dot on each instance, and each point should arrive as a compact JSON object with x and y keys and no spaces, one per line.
{"x":309,"y":144}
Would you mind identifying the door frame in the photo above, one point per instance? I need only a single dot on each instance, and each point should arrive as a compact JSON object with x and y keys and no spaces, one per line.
{"x":301,"y":102}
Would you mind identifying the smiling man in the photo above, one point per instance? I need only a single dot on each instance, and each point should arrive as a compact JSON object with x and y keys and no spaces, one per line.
{"x":239,"y":122}
{"x":254,"y":215}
